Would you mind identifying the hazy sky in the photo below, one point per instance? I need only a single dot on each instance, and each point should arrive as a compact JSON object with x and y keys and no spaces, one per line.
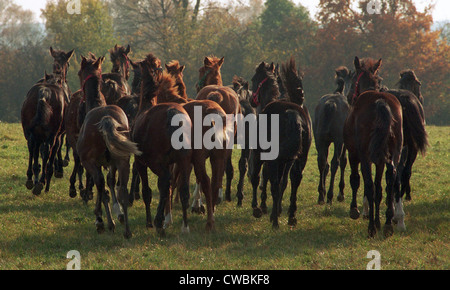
{"x":441,"y":11}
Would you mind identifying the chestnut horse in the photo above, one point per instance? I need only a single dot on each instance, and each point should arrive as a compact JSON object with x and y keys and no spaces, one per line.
{"x":104,"y":142}
{"x":210,"y":87}
{"x":295,"y":136}
{"x":42,"y":123}
{"x":373,"y":135}
{"x":153,"y":132}
{"x":328,"y":126}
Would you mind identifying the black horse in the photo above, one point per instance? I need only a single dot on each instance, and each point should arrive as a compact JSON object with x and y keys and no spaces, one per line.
{"x":328,"y":126}
{"x":294,"y":135}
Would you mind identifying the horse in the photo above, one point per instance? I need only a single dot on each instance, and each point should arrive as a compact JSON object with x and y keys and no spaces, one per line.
{"x":295,"y":136}
{"x":152,"y":131}
{"x":42,"y":116}
{"x":241,"y":87}
{"x":115,"y":84}
{"x":104,"y":142}
{"x":415,"y":135}
{"x":329,"y":119}
{"x":373,"y":134}
{"x":210,"y":87}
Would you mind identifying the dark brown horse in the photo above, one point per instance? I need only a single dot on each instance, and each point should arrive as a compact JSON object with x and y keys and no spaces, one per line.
{"x":373,"y":135}
{"x":42,"y":122}
{"x":153,"y":132}
{"x":294,"y":136}
{"x":328,"y":126}
{"x":115,"y":84}
{"x":104,"y":142}
{"x":210,"y":87}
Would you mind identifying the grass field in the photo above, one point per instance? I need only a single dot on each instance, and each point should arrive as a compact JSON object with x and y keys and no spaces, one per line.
{"x":38,"y":232}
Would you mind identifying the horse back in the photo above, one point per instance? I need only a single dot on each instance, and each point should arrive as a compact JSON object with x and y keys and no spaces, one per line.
{"x":226,"y":97}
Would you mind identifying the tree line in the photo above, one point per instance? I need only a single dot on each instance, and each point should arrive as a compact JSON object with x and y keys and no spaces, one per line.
{"x":245,"y":33}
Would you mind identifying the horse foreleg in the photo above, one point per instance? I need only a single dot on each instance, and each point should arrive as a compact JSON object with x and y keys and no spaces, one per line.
{"x":354,"y":182}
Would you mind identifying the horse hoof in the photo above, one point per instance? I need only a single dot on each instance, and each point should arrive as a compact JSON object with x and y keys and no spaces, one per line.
{"x":257,"y":213}
{"x":408,"y":197}
{"x":149,"y":225}
{"x":210,"y":227}
{"x":59,"y":174}
{"x":292,"y":222}
{"x":341,"y":198}
{"x":112,"y":227}
{"x":38,"y":189}
{"x":136,"y":195}
{"x":372,"y":232}
{"x":239,"y":203}
{"x":388,"y":231}
{"x":161,"y":232}
{"x":329,"y":201}
{"x":127,"y":235}
{"x":29,"y":184}
{"x":121,"y":218}
{"x":354,"y":213}
{"x":100,"y":227}
{"x":321,"y":201}
{"x":264,"y":209}
{"x":72,"y":193}
{"x":66,"y":162}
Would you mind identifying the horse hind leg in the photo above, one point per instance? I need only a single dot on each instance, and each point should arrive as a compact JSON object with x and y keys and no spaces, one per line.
{"x":335,"y":162}
{"x":229,"y":174}
{"x":31,"y":144}
{"x":343,"y":164}
{"x":111,"y":181}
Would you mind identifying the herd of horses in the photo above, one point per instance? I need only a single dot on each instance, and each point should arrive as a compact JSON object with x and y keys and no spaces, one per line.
{"x":107,"y":121}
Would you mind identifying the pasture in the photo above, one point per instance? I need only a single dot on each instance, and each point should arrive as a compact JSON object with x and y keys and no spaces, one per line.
{"x":36,"y":232}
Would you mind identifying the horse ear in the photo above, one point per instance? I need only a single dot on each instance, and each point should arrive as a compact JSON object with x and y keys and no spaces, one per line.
{"x":128,"y":50}
{"x":377,"y":66}
{"x":167,"y":67}
{"x":52,"y":51}
{"x":272,"y":67}
{"x":70,"y":54}
{"x":83,"y":61}
{"x":98,"y":63}
{"x":207,"y":61}
{"x":220,"y":63}
{"x":357,"y":63}
{"x":182,"y":68}
{"x":262,"y":65}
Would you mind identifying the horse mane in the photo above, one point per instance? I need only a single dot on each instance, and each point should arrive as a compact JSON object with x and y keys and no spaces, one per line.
{"x":368,"y":64}
{"x":174,"y":64}
{"x":292,"y":80}
{"x":173,"y":67}
{"x":275,"y":91}
{"x":167,"y":91}
{"x":148,"y":84}
{"x":239,"y":81}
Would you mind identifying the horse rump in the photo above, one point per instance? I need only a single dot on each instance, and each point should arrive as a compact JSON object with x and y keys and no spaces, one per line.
{"x":381,"y":133}
{"x":43,"y":109}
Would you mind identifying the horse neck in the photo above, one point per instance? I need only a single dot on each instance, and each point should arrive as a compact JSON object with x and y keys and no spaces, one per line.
{"x":340,"y":88}
{"x":214,"y":80}
{"x":270,"y":93}
{"x":182,"y":89}
{"x":94,"y":97}
{"x":168,"y":93}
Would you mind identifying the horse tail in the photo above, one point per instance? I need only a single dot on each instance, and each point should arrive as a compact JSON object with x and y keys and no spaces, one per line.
{"x":118,"y":144}
{"x":328,"y":113}
{"x":215,"y":97}
{"x":384,"y":120}
{"x":414,"y":124}
{"x":43,"y":109}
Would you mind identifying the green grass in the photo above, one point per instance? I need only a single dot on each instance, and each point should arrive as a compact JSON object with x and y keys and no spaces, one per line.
{"x":37,"y":232}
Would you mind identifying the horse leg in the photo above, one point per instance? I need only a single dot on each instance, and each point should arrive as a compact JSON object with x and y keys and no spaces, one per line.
{"x":338,"y":146}
{"x":59,"y":171}
{"x":322,"y":157}
{"x":67,"y":157}
{"x":255,"y":165}
{"x":378,"y":193}
{"x":111,"y":181}
{"x":124,"y":174}
{"x":230,"y":174}
{"x":406,"y":174}
{"x":283,"y":184}
{"x":37,"y":188}
{"x":217,"y":160}
{"x":354,"y":182}
{"x":243,"y":166}
{"x":73,"y":177}
{"x":53,"y":153}
{"x":45,"y":154}
{"x":369,"y":193}
{"x":134,"y":187}
{"x":263,"y":186}
{"x":183,"y":187}
{"x":31,"y":143}
{"x":164,"y":194}
{"x":146,"y":192}
{"x":296,"y":176}
{"x":276,"y":169}
{"x":343,"y":164}
{"x":391,"y":187}
{"x":205,"y":183}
